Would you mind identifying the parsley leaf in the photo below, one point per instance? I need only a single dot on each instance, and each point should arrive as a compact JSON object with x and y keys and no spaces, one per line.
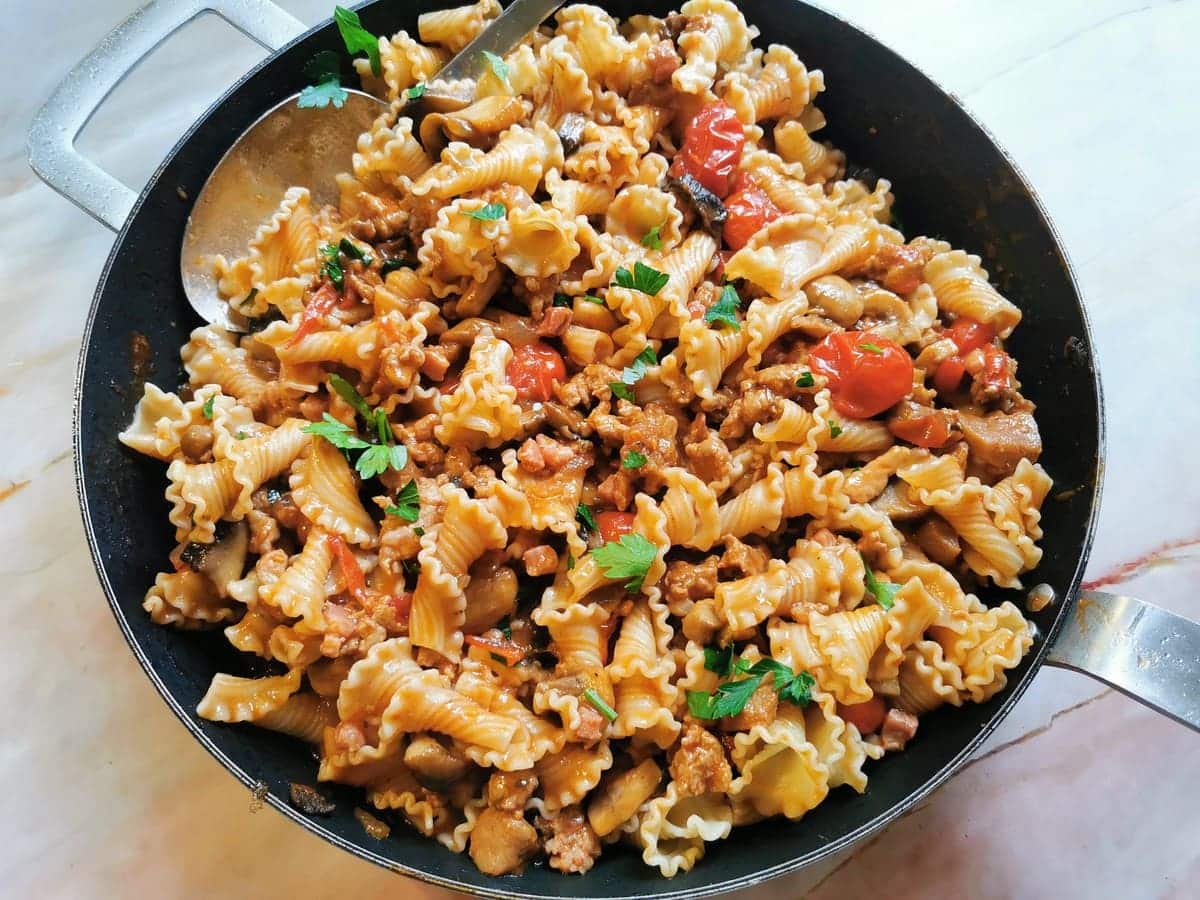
{"x":377,"y":458}
{"x":336,"y":433}
{"x":207,"y":408}
{"x":884,"y":592}
{"x":584,"y":514}
{"x":332,"y":267}
{"x":598,"y":703}
{"x":356,"y":38}
{"x":498,"y":65}
{"x":391,"y":265}
{"x":562,"y":300}
{"x":489,"y":213}
{"x":347,"y":392}
{"x":728,"y":699}
{"x":872,"y":348}
{"x":415,"y":92}
{"x":835,"y":429}
{"x":719,"y":661}
{"x":419,"y":531}
{"x":633,"y":460}
{"x":724,"y":311}
{"x":324,"y":66}
{"x":382,"y":427}
{"x":351,"y":250}
{"x":805,"y":380}
{"x":408,"y":503}
{"x":318,"y":96}
{"x":570,"y":562}
{"x":619,"y":389}
{"x":799,"y":689}
{"x":643,"y":278}
{"x":653,"y":238}
{"x":592,"y":298}
{"x":630,"y":557}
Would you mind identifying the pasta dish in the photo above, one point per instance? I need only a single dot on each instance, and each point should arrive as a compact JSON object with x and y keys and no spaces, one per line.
{"x":608,"y":466}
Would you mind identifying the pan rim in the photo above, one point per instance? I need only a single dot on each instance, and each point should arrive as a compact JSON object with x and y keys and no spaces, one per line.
{"x":1036,"y":659}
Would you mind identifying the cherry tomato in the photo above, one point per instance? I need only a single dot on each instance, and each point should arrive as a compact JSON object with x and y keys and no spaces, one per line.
{"x":712,"y":148}
{"x":402,"y":604}
{"x":749,"y":210}
{"x":321,"y":305}
{"x":356,"y":585}
{"x":948,"y":375}
{"x":968,"y":334}
{"x":866,"y":717}
{"x":995,"y":375}
{"x":534,"y":370}
{"x":867,"y":373}
{"x":923,"y":431}
{"x":613,"y":524}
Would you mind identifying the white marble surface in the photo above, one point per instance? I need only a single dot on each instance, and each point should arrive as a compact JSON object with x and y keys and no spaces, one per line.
{"x":1082,"y":793}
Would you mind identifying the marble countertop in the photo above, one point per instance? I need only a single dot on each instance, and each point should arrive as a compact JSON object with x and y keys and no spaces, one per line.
{"x":1080,"y":793}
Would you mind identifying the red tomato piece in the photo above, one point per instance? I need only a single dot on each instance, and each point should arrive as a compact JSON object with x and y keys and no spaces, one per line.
{"x":948,"y":375}
{"x":867,"y":374}
{"x":866,"y":717}
{"x":321,"y":305}
{"x":402,"y":604}
{"x":923,"y":431}
{"x":510,"y":651}
{"x":749,"y":210}
{"x":968,"y":334}
{"x":613,"y":524}
{"x":356,"y":584}
{"x":712,"y":148}
{"x":995,"y":375}
{"x":535,"y":369}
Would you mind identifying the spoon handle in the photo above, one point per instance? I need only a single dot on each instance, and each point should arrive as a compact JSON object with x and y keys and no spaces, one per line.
{"x":522,"y":17}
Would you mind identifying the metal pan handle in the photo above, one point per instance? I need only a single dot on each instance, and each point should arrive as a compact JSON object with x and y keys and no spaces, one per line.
{"x":1140,"y":649}
{"x":52,"y":134}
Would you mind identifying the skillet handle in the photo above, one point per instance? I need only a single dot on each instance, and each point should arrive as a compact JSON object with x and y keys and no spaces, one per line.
{"x":52,"y":134}
{"x":1140,"y":649}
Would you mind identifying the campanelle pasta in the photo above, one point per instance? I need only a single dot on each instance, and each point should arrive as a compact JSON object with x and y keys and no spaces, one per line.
{"x":607,"y":466}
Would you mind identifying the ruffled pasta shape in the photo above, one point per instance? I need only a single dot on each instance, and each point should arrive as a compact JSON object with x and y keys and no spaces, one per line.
{"x":404,"y":62}
{"x":780,"y":771}
{"x":963,"y":289}
{"x":672,"y":829}
{"x":540,"y":242}
{"x":456,"y":27}
{"x":300,"y":592}
{"x":482,"y":411}
{"x":521,"y":157}
{"x":389,"y":155}
{"x":187,"y":600}
{"x":640,"y":673}
{"x":566,"y":777}
{"x":324,"y":489}
{"x":784,"y":87}
{"x":720,"y":37}
{"x":233,"y":699}
{"x":284,"y":246}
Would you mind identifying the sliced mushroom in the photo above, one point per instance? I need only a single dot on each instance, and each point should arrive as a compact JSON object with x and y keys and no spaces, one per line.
{"x":570,"y":131}
{"x":224,"y":560}
{"x":707,"y":204}
{"x":477,"y":124}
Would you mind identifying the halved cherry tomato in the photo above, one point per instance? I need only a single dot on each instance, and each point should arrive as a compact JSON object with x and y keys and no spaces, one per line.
{"x":968,"y":334}
{"x":749,"y":210}
{"x":866,"y":717}
{"x":867,"y":374}
{"x":948,"y":375}
{"x":923,"y":431}
{"x":510,"y":651}
{"x":712,"y":148}
{"x":321,"y":305}
{"x":356,"y":584}
{"x":535,"y":369}
{"x":613,"y":524}
{"x":402,"y":604}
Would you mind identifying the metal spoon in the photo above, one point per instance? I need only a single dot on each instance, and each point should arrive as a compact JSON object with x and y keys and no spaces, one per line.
{"x":289,"y":146}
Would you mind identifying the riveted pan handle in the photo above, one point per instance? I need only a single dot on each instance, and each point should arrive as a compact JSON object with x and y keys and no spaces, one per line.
{"x":1138,"y":648}
{"x":52,"y":134}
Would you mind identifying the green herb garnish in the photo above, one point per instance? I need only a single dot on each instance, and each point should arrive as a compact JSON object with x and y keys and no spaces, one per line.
{"x":592,"y":298}
{"x":584,"y":514}
{"x":624,"y":391}
{"x":643,"y":278}
{"x":346,"y":391}
{"x":356,"y":38}
{"x":630,"y":557}
{"x":835,"y":430}
{"x":599,"y":705}
{"x":324,"y":71}
{"x":632,"y":374}
{"x":805,"y":380}
{"x":415,"y":92}
{"x":497,"y":64}
{"x":884,"y":592}
{"x":378,"y":458}
{"x":418,"y":531}
{"x":351,"y":250}
{"x":489,"y":213}
{"x":337,"y":433}
{"x":633,"y":460}
{"x":730,"y":698}
{"x":570,"y":562}
{"x":408,"y":504}
{"x":872,"y":348}
{"x":562,"y":300}
{"x":724,"y":311}
{"x":207,"y":408}
{"x":653,"y":238}
{"x":391,"y":265}
{"x":332,"y":267}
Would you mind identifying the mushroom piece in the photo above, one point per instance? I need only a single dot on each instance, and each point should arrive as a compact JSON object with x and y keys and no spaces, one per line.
{"x":707,"y":204}
{"x":477,"y":124}
{"x":224,"y":560}
{"x":570,"y":131}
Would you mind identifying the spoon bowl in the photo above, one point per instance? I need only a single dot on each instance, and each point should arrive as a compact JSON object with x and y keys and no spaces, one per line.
{"x":285,"y":147}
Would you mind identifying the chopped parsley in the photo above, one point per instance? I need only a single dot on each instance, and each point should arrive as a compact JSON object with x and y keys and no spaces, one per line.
{"x":207,"y":408}
{"x":592,"y":298}
{"x":570,"y":562}
{"x":351,"y":250}
{"x":731,"y":697}
{"x":835,"y":430}
{"x":598,"y":703}
{"x":323,"y":70}
{"x":332,"y":267}
{"x":872,"y":348}
{"x":653,"y":238}
{"x":391,"y":265}
{"x":356,"y":38}
{"x":415,"y":92}
{"x":408,"y":504}
{"x":562,"y":300}
{"x":633,"y":460}
{"x":346,"y":391}
{"x":884,"y":592}
{"x":584,"y":514}
{"x":630,"y":557}
{"x":375,"y":458}
{"x":643,"y":278}
{"x":497,"y":64}
{"x":724,"y":311}
{"x":805,"y":380}
{"x":489,"y":213}
{"x":631,"y":375}
{"x":624,"y":391}
{"x":241,"y":435}
{"x":419,"y":531}
{"x":411,"y":566}
{"x":336,"y":433}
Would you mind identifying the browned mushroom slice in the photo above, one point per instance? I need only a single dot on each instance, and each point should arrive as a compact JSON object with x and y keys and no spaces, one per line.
{"x":570,"y":131}
{"x":707,"y":204}
{"x":477,"y":124}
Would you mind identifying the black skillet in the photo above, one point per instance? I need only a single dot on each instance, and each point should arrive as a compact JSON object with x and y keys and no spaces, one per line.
{"x":952,"y":181}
